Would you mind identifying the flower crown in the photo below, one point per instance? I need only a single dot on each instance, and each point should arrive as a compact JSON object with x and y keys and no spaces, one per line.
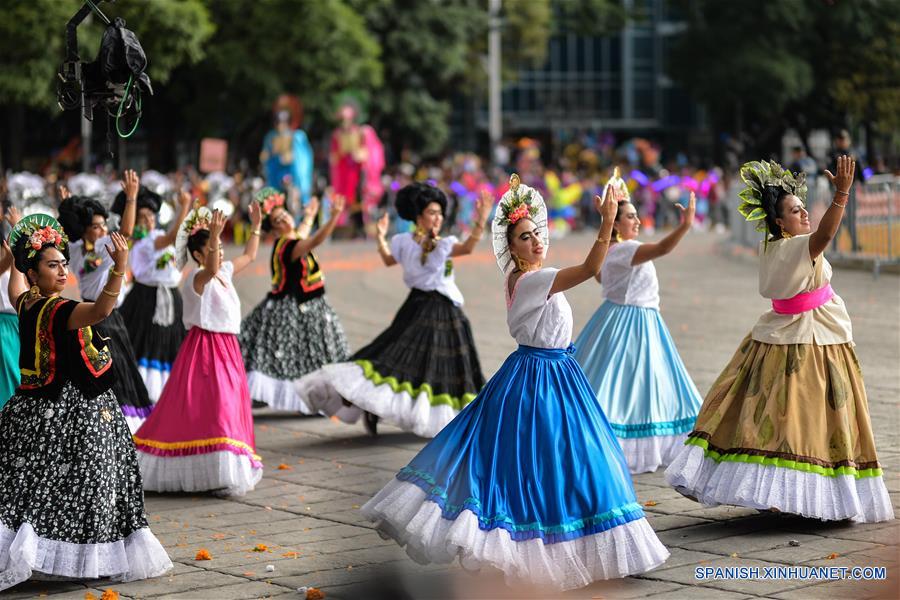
{"x":39,"y":230}
{"x":197,"y":220}
{"x":758,"y":175}
{"x":269,"y":199}
{"x":519,"y":206}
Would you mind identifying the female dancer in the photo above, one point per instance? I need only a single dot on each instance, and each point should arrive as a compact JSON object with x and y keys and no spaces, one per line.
{"x":200,"y":436}
{"x":9,"y":334}
{"x":786,"y":425}
{"x":424,"y":368}
{"x":626,"y":350}
{"x":84,"y":221}
{"x":71,"y":503}
{"x":508,"y":482}
{"x":294,"y":330}
{"x":152,"y":309}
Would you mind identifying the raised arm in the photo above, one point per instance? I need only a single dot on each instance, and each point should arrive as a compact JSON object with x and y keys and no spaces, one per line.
{"x":130,"y":184}
{"x":17,"y":284}
{"x":303,"y":247}
{"x":309,"y":216}
{"x":252,"y":246}
{"x":831,"y":220}
{"x":213,"y":260}
{"x":384,"y":251}
{"x":91,"y":313}
{"x":571,"y":276}
{"x":184,"y":207}
{"x":482,"y":211}
{"x":653,"y":250}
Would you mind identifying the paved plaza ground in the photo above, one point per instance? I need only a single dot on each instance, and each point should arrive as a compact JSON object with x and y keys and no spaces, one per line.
{"x":305,"y":513}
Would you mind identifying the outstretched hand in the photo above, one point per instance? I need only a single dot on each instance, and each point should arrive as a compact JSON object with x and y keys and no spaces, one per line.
{"x":216,"y":224}
{"x":846,"y":170}
{"x":381,"y":227}
{"x":338,"y":204}
{"x":687,"y":214}
{"x":119,"y":250}
{"x":13,"y":216}
{"x":131,"y":183}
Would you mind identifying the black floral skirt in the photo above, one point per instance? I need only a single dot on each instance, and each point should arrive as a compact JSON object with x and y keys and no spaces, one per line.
{"x":70,"y":491}
{"x":282,"y":340}
{"x":128,"y":384}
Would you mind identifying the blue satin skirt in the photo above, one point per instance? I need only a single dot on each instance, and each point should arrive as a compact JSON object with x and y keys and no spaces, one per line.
{"x":9,"y":356}
{"x":532,"y":454}
{"x":638,"y":377}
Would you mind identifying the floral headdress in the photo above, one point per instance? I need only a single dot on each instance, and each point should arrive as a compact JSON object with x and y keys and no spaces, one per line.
{"x":269,"y":199}
{"x":197,"y":219}
{"x":34,"y":232}
{"x":519,"y":202}
{"x":758,"y":175}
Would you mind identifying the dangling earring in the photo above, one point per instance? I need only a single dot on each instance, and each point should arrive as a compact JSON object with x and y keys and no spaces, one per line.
{"x":420,"y":231}
{"x":784,"y":234}
{"x":521,"y":264}
{"x":34,"y":292}
{"x":618,"y":237}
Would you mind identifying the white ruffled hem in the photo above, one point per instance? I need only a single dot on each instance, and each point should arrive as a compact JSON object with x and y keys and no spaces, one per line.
{"x":155,"y":380}
{"x":762,"y":487}
{"x":222,"y":472}
{"x":279,"y":394}
{"x":403,"y":513}
{"x":23,"y":553}
{"x":326,"y":389}
{"x":647,"y":454}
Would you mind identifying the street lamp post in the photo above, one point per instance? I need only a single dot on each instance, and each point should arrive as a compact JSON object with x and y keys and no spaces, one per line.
{"x":495,"y":108}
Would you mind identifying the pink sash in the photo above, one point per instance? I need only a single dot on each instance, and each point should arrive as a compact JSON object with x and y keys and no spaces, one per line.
{"x":803,"y":301}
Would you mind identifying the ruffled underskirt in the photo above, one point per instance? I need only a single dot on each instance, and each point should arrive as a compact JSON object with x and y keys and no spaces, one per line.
{"x":222,"y":472}
{"x":403,"y":512}
{"x":24,"y":554}
{"x":862,"y":499}
{"x":329,"y":389}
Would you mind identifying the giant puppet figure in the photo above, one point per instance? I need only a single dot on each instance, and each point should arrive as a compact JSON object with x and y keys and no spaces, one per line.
{"x":356,"y":158}
{"x":287,"y":155}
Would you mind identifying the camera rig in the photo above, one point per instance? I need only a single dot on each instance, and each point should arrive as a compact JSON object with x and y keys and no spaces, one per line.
{"x":115,"y":81}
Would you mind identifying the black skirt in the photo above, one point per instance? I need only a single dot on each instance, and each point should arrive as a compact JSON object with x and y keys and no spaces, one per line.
{"x":429,"y":341}
{"x":154,"y":345}
{"x":128,"y":385}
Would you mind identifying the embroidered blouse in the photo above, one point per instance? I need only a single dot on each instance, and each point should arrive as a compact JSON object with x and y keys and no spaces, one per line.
{"x":50,"y":354}
{"x":302,"y":278}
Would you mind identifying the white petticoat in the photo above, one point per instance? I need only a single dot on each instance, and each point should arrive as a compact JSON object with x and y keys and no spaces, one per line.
{"x":279,"y":394}
{"x":326,"y":389}
{"x":865,"y":499}
{"x":403,"y":513}
{"x":222,"y":472}
{"x":23,"y":553}
{"x":647,"y":454}
{"x":155,"y":380}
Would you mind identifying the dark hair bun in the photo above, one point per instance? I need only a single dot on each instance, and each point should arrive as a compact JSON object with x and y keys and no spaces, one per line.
{"x":76,"y":213}
{"x":412,"y":200}
{"x":145,"y":199}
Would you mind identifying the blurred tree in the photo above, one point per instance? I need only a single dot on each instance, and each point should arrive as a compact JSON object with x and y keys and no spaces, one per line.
{"x":763,"y":67}
{"x":262,"y":49}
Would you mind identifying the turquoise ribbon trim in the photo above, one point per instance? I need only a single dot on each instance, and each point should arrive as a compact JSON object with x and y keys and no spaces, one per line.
{"x":654,"y":429}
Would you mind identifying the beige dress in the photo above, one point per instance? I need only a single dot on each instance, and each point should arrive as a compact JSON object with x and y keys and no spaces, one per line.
{"x":786,"y":425}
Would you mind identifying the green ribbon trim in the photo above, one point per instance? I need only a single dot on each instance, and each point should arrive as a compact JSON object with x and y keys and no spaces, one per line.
{"x":377,"y":378}
{"x":783,"y":463}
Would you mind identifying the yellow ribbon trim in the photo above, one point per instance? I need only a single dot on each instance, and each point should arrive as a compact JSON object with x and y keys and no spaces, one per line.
{"x":196,"y":444}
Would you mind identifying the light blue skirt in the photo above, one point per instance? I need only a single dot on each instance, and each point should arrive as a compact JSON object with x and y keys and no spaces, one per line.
{"x":640,"y":381}
{"x":9,"y":356}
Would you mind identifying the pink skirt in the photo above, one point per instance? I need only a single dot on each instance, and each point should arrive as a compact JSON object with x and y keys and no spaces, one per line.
{"x":199,"y":436}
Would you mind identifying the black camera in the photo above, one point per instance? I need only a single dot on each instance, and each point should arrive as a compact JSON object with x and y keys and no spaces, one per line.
{"x":115,"y":81}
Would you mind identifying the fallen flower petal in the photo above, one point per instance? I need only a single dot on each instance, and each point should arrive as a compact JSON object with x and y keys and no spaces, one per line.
{"x":203,"y":554}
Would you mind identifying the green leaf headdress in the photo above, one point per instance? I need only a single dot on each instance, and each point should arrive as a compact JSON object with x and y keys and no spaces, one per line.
{"x":38,"y":230}
{"x":758,"y":175}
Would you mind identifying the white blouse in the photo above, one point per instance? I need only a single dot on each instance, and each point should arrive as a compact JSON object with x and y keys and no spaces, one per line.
{"x":91,"y":283}
{"x":626,"y":284}
{"x":535,"y":318}
{"x":436,"y":275}
{"x":149,"y":265}
{"x":5,"y":305}
{"x":785,"y":270}
{"x":219,"y":308}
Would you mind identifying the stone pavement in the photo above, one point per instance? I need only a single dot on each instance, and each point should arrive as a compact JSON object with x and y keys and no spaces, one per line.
{"x":303,"y":518}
